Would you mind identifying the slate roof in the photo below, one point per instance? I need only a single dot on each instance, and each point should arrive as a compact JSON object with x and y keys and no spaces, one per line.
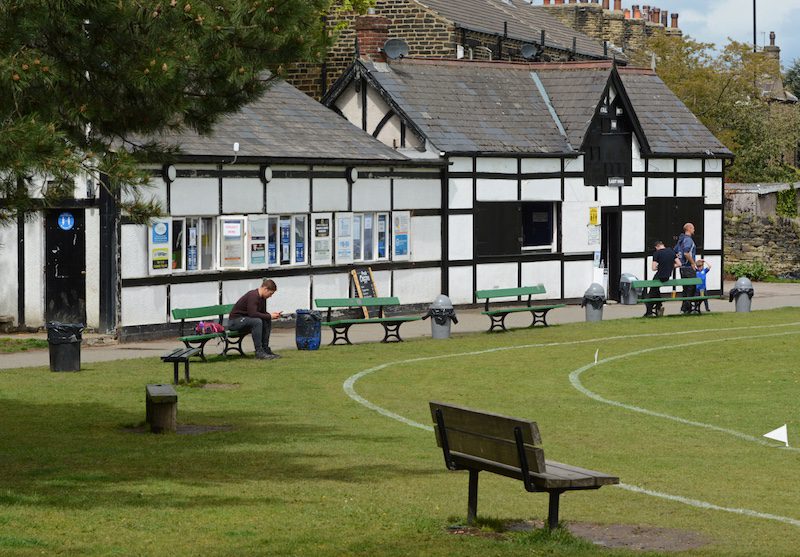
{"x":669,"y":126}
{"x":284,"y":124}
{"x":525,"y":22}
{"x":475,"y":107}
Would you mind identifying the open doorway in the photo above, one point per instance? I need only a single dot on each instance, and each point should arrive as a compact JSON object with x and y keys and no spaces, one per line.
{"x":611,"y":248}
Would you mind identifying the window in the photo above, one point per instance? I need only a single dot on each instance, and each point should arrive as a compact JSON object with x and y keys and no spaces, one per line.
{"x":232,"y":235}
{"x":181,"y":244}
{"x":363,"y":237}
{"x":199,"y":239}
{"x":286,"y":240}
{"x":538,"y":225}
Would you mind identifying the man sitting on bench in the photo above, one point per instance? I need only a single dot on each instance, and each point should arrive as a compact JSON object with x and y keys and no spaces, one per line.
{"x":664,"y":261}
{"x":249,"y":314}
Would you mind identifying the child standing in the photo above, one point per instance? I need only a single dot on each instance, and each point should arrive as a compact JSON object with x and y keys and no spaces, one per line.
{"x":702,"y":270}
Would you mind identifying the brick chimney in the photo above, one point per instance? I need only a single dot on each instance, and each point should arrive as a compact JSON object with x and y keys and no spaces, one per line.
{"x":646,"y":12}
{"x":606,"y":4}
{"x":665,"y":18}
{"x":617,"y":5}
{"x":558,"y":2}
{"x":546,"y":2}
{"x":372,"y":32}
{"x":636,"y":13}
{"x":674,"y":21}
{"x":627,"y":13}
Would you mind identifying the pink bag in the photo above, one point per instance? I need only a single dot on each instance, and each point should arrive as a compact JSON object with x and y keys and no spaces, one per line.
{"x":208,"y":327}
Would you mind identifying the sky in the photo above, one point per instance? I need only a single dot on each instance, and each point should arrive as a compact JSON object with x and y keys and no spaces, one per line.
{"x":713,"y":21}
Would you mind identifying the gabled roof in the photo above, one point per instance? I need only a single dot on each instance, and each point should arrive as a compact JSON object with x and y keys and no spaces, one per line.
{"x":471,"y":107}
{"x":497,"y":107}
{"x":525,"y":23}
{"x":670,"y":127}
{"x":283,"y":124}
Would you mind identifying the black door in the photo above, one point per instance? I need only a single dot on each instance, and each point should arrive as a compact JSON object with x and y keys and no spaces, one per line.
{"x":665,"y":217}
{"x":611,"y":249}
{"x":65,"y":266}
{"x":498,"y":228}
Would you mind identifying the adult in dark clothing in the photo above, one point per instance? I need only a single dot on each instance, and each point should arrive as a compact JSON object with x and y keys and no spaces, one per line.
{"x":664,"y":261}
{"x":249,"y":314}
{"x":687,"y":252}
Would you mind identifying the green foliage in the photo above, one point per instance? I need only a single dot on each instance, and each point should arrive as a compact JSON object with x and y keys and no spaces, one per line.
{"x":792,"y":78}
{"x":754,"y":270}
{"x":82,"y":81}
{"x":787,"y":203}
{"x":724,"y":90}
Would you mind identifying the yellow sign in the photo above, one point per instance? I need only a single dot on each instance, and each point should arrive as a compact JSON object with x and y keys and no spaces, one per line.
{"x":593,"y":216}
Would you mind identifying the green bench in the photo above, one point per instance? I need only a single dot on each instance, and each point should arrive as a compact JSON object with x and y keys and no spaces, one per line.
{"x":657,"y":309}
{"x":232,"y":339}
{"x":498,"y":316}
{"x":479,"y":441}
{"x":341,"y":326}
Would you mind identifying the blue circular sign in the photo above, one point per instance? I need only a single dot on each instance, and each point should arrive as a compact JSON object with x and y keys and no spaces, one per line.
{"x":66,"y":221}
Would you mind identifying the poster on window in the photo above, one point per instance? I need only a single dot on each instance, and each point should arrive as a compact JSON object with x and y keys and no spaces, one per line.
{"x":159,"y":247}
{"x":321,"y":239}
{"x":286,"y":241}
{"x":232,"y":244}
{"x":344,"y":238}
{"x":300,"y":239}
{"x":401,"y":232}
{"x":191,"y":249}
{"x":258,"y":241}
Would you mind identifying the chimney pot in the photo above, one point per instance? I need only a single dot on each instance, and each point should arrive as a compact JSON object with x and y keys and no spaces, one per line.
{"x":606,"y":4}
{"x":636,"y":13}
{"x":674,"y":21}
{"x":558,"y":2}
{"x":772,"y":38}
{"x":665,"y":18}
{"x":617,"y":5}
{"x":546,"y":2}
{"x":627,"y":13}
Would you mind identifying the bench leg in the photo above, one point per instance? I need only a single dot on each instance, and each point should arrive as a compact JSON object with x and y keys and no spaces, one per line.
{"x":540,"y":317}
{"x":472,"y":500}
{"x":694,"y":306}
{"x":185,"y":370}
{"x":498,"y":322}
{"x":233,"y":345}
{"x":392,"y":331}
{"x":340,"y":332}
{"x":175,"y":371}
{"x":201,"y":345}
{"x":552,"y":509}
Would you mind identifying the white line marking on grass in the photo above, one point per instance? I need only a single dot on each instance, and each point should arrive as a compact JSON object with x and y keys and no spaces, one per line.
{"x":574,"y":379}
{"x":710,"y":506}
{"x":349,"y":389}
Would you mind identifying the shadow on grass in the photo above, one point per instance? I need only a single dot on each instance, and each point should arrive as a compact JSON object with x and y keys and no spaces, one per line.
{"x":79,"y":456}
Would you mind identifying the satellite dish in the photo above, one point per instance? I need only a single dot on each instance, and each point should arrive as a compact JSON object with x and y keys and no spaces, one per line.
{"x":395,"y":48}
{"x":529,"y":51}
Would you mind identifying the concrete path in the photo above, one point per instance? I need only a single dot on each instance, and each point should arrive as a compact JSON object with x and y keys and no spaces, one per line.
{"x":99,"y":348}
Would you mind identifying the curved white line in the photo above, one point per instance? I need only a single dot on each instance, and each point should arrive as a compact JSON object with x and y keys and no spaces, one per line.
{"x":349,"y":389}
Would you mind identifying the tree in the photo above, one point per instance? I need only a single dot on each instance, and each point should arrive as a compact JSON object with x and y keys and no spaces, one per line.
{"x":80,"y":79}
{"x":792,"y":78}
{"x":725,"y":90}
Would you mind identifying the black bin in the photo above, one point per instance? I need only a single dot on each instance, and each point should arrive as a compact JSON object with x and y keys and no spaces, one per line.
{"x":308,"y":332}
{"x":64,"y":342}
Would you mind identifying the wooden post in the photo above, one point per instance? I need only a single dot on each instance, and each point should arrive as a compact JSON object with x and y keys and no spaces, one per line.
{"x":161,"y":409}
{"x":472,"y":501}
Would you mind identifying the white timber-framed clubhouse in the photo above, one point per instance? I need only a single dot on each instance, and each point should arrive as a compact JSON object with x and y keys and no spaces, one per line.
{"x":463,"y":176}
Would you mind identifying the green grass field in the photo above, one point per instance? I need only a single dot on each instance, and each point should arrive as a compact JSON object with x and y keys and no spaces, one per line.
{"x":675,"y":406}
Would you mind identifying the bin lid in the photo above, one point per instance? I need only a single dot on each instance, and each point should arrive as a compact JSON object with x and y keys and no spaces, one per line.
{"x":442,"y":302}
{"x":595,"y":290}
{"x":743,"y":283}
{"x":627,"y":277}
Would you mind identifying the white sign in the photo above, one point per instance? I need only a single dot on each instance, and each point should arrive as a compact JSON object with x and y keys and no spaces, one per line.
{"x":232,"y":228}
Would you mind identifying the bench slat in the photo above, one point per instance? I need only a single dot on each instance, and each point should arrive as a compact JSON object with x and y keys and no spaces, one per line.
{"x":206,"y":311}
{"x":373,"y":320}
{"x":678,"y":299}
{"x":672,"y":282}
{"x":506,"y":292}
{"x":561,"y":469}
{"x":355,"y":302}
{"x":483,"y":423}
{"x":515,"y":310}
{"x":494,"y":449}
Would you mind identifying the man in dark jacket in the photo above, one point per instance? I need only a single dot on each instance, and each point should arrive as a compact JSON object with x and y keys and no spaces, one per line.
{"x":687,"y":252}
{"x":664,"y":261}
{"x":249,"y":314}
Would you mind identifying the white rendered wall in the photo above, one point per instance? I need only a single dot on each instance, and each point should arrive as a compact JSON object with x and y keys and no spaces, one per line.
{"x":390,"y":134}
{"x":417,"y":193}
{"x":496,"y":275}
{"x":459,"y":241}
{"x":242,"y":195}
{"x":288,"y":195}
{"x":714,"y":276}
{"x":426,"y":238}
{"x":634,"y":194}
{"x":714,"y":191}
{"x":546,"y":189}
{"x":531,"y":166}
{"x":372,"y":194}
{"x":575,"y":190}
{"x":689,"y":187}
{"x":376,"y":110}
{"x":547,"y":273}
{"x":331,"y":286}
{"x":383,"y":282}
{"x":143,"y":305}
{"x":608,"y":196}
{"x":461,"y":287}
{"x":349,"y":102}
{"x":232,"y":290}
{"x":633,"y":227}
{"x":690,"y":165}
{"x":460,"y":164}
{"x":637,"y":163}
{"x":489,"y":189}
{"x":578,"y":275}
{"x":712,"y":229}
{"x":194,"y":196}
{"x":574,"y":228}
{"x":661,"y":165}
{"x":330,"y":194}
{"x":133,"y":240}
{"x":9,"y":287}
{"x":496,"y":165}
{"x":634,"y":266}
{"x":417,"y":286}
{"x":156,"y":190}
{"x":573,"y":165}
{"x":34,"y":271}
{"x":92,"y":267}
{"x":460,"y":193}
{"x":293,"y":293}
{"x":194,"y":295}
{"x":660,"y":187}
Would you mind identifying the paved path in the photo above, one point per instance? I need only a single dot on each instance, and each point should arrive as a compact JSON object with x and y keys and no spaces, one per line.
{"x":98,"y":348}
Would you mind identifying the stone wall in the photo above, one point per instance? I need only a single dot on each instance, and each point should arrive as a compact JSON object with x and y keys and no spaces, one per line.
{"x":775,"y":241}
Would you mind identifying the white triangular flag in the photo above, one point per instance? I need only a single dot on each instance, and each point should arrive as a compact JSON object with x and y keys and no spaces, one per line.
{"x":595,"y":355}
{"x":779,"y":434}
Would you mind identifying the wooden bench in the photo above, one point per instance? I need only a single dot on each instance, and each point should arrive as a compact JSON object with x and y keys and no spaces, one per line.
{"x":180,"y":355}
{"x":498,"y":316}
{"x":479,"y":441}
{"x":232,"y":339}
{"x":657,"y":309}
{"x":341,"y":327}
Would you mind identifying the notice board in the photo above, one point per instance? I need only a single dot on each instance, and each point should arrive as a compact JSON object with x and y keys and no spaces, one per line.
{"x":364,"y":284}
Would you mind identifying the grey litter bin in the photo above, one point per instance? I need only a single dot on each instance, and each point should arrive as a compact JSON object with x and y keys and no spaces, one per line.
{"x":441,"y":313}
{"x":627,"y":294}
{"x":64,"y":343}
{"x":742,"y":291}
{"x":593,"y":299}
